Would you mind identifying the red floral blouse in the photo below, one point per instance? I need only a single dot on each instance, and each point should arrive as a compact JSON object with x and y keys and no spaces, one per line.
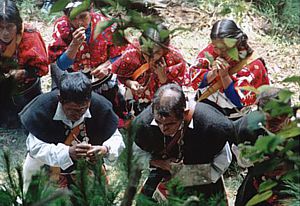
{"x":30,"y":54}
{"x":254,"y":74}
{"x":132,"y":59}
{"x":89,"y":55}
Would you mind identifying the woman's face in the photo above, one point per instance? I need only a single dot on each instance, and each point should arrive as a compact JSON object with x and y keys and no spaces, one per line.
{"x":221,"y":48}
{"x":82,"y":20}
{"x":8,"y":31}
{"x":154,"y":56}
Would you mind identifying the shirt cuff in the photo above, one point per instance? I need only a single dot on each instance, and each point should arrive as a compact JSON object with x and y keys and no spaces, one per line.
{"x":115,"y":146}
{"x":64,"y":62}
{"x":233,"y":96}
{"x":64,"y":159}
{"x":204,"y":82}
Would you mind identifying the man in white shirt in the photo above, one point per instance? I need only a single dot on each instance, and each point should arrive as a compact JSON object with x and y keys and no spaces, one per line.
{"x":68,"y":124}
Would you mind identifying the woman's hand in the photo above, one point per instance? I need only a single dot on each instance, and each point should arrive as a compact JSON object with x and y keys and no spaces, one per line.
{"x":103,"y":70}
{"x":78,"y":36}
{"x":222,"y":67}
{"x":18,"y":74}
{"x":135,"y":87}
{"x":159,"y":69}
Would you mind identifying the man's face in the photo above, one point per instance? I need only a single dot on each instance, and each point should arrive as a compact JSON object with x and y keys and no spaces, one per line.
{"x":168,"y":125}
{"x":74,"y":110}
{"x":82,"y":20}
{"x":8,"y":31}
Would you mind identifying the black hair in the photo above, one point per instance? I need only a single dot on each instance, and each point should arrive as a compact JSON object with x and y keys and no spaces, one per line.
{"x":9,"y":12}
{"x":75,"y":87}
{"x":154,"y":35}
{"x":174,"y":104}
{"x":227,"y":28}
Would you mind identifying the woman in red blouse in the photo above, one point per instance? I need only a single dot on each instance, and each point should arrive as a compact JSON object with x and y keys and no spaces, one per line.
{"x":147,"y":65}
{"x":229,"y":50}
{"x":77,"y":46}
{"x":23,"y":60}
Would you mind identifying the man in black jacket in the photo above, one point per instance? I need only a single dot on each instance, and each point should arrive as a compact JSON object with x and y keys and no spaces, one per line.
{"x":67,"y":124}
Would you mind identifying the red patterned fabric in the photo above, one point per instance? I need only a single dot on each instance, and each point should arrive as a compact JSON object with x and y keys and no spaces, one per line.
{"x":254,"y":74}
{"x":132,"y":59}
{"x":89,"y":55}
{"x":30,"y":54}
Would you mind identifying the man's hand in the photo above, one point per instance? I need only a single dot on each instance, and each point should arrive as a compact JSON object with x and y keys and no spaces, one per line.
{"x":78,"y":151}
{"x":102,"y":70}
{"x":96,"y":151}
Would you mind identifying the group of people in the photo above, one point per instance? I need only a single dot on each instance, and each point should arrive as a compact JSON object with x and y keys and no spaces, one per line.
{"x":80,"y":117}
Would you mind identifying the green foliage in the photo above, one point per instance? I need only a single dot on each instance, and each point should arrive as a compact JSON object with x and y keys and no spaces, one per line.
{"x":59,"y":5}
{"x":39,"y":192}
{"x":267,"y":185}
{"x":293,"y":79}
{"x":223,"y":8}
{"x":233,"y":53}
{"x":283,"y":14}
{"x":259,"y":198}
{"x":293,"y":190}
{"x":272,"y":151}
{"x":82,"y":7}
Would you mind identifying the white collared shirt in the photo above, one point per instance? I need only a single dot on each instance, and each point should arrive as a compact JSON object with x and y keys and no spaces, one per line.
{"x":58,"y":155}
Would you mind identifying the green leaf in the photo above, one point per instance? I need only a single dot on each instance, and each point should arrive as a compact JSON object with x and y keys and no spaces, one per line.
{"x":293,"y":79}
{"x":101,"y":26}
{"x":264,"y":88}
{"x":230,"y":42}
{"x":260,"y":198}
{"x":285,"y":95}
{"x":59,"y":5}
{"x":249,"y":88}
{"x":267,"y":185}
{"x":233,"y":53}
{"x":267,"y":143}
{"x":289,"y":132}
{"x":277,"y":108}
{"x":225,"y":10}
{"x":77,"y":10}
{"x":118,"y":38}
{"x":163,"y":34}
{"x":209,"y":57}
